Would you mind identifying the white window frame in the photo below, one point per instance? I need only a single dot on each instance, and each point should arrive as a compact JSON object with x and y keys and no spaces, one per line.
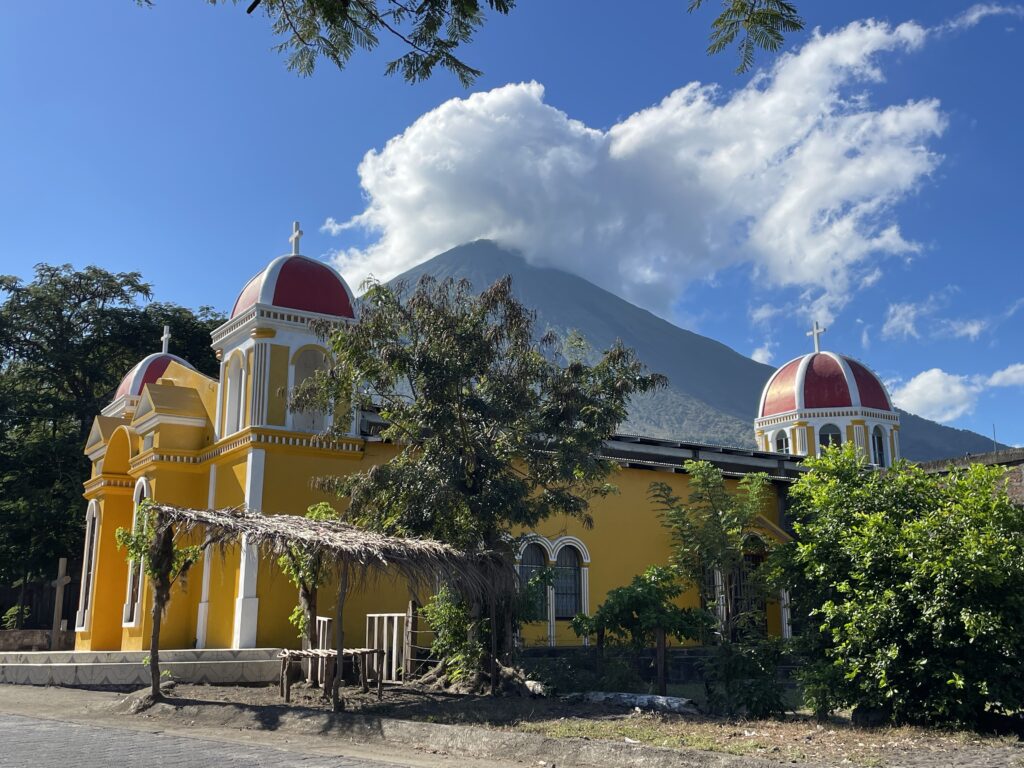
{"x":83,"y":617}
{"x":142,"y":491}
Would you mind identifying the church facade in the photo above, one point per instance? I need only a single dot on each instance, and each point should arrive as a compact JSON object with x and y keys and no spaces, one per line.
{"x":179,"y":437}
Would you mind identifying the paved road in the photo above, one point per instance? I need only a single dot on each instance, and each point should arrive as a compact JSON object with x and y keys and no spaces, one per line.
{"x":27,"y":742}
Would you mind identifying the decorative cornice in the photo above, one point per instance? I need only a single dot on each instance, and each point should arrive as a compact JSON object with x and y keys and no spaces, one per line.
{"x":109,"y":484}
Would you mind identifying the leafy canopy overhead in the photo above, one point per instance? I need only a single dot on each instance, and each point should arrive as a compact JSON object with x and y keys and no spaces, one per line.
{"x":495,"y":428}
{"x":431,"y":31}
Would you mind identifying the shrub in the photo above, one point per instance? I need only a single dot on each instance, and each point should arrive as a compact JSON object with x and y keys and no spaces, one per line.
{"x":914,"y":588}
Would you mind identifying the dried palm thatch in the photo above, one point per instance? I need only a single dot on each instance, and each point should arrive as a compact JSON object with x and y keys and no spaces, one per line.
{"x":364,"y":555}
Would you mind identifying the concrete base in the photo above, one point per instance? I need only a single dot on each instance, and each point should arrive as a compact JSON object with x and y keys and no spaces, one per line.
{"x":93,"y":668}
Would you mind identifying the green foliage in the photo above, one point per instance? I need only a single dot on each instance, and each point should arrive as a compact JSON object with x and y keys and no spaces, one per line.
{"x":763,"y":24}
{"x":617,"y":672}
{"x":497,"y":430}
{"x":914,"y":585}
{"x":531,"y":600}
{"x":10,"y":617}
{"x":742,"y":678}
{"x":66,"y":339}
{"x":710,"y":533}
{"x":140,"y":542}
{"x":633,"y":613}
{"x":306,"y":571}
{"x":454,"y":641}
{"x":429,"y":31}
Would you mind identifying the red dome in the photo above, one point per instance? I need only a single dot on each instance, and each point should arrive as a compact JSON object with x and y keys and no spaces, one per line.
{"x":822,"y":380}
{"x":148,"y":371}
{"x":298,"y":282}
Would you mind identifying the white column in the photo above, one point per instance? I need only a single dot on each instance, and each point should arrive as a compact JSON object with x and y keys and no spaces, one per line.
{"x":203,"y":616}
{"x":246,"y":603}
{"x":787,"y":625}
{"x":218,"y":429}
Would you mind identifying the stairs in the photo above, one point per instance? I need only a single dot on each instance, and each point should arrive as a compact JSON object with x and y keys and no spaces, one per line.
{"x":216,"y":666}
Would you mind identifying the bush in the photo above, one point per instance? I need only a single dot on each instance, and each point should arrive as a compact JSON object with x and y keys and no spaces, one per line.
{"x":914,"y":585}
{"x":741,"y":678}
{"x":448,"y":616}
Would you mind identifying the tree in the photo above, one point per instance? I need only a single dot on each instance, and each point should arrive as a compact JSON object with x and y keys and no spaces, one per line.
{"x":66,"y":339}
{"x":763,"y":23}
{"x":496,"y":429}
{"x":712,"y":538}
{"x":713,"y":544}
{"x":307,"y":572}
{"x":151,"y":543}
{"x":431,"y":31}
{"x":914,"y":588}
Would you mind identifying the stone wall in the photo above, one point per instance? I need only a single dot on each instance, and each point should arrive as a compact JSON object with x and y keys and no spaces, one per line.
{"x":34,"y":640}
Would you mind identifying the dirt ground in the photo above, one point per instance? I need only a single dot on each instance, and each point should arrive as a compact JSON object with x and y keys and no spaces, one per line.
{"x":794,"y":739}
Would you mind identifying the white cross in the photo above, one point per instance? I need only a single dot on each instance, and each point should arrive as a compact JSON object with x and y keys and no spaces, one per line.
{"x":296,"y":234}
{"x":166,"y":339}
{"x":816,"y":331}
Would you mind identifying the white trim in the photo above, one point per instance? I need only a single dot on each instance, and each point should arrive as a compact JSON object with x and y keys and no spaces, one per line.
{"x":551,"y":616}
{"x":154,"y":419}
{"x":801,"y":377}
{"x":83,"y":618}
{"x":246,"y":602}
{"x":535,"y":538}
{"x":851,"y":381}
{"x":203,"y":611}
{"x":563,"y":541}
{"x":221,"y":396}
{"x":142,"y":491}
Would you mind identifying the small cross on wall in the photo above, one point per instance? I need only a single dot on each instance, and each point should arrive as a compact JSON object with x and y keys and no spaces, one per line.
{"x":816,"y":331}
{"x":296,"y":236}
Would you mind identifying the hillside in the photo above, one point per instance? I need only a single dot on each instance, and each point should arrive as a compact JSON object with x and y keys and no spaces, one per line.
{"x":713,"y":390}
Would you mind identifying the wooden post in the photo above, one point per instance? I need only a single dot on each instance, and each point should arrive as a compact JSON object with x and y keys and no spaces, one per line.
{"x":364,"y":682}
{"x":408,"y":651}
{"x":59,"y":584}
{"x":339,"y":634}
{"x":659,"y":635}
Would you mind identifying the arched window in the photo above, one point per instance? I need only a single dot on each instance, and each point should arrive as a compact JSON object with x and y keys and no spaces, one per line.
{"x":829,"y":435}
{"x":234,"y":408}
{"x":133,"y":597}
{"x":878,"y":446}
{"x":533,"y":561}
{"x":308,"y":362}
{"x":568,"y":583}
{"x":781,"y":441}
{"x":88,"y":567}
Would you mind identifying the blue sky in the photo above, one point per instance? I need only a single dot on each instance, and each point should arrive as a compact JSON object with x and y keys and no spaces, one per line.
{"x":868,"y":178}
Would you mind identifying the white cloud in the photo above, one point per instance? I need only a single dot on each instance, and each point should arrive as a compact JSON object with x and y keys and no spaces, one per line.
{"x":793,"y":174}
{"x":901,"y":321}
{"x":937,"y":395}
{"x":966,"y":329}
{"x":1011,"y":376}
{"x":865,"y":337}
{"x":976,"y":13}
{"x":765,"y":353}
{"x":762,"y":314}
{"x":871,"y":278}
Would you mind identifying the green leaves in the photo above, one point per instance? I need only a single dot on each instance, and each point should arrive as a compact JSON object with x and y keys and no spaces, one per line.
{"x":495,"y":429}
{"x":431,"y":31}
{"x":633,"y":613}
{"x":762,"y":23}
{"x":914,"y":584}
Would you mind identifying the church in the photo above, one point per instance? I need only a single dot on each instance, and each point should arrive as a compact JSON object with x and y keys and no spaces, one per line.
{"x":176,"y":436}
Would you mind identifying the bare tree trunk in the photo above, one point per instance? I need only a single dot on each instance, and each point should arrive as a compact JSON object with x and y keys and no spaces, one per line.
{"x":660,"y":661}
{"x":154,"y":648}
{"x":161,"y":556}
{"x":339,"y":633}
{"x":307,"y":601}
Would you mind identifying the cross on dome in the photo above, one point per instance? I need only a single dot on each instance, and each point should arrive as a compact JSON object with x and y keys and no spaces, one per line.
{"x":296,"y":236}
{"x":816,"y":331}
{"x":166,"y":339}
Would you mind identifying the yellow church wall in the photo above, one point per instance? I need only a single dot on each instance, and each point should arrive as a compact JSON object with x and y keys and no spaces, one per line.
{"x":178,"y":437}
{"x":627,"y":537}
{"x":224,"y":569}
{"x":202,"y":384}
{"x":110,"y":575}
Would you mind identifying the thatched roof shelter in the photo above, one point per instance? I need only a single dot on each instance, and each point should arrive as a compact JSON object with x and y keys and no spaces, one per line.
{"x":366,"y":554}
